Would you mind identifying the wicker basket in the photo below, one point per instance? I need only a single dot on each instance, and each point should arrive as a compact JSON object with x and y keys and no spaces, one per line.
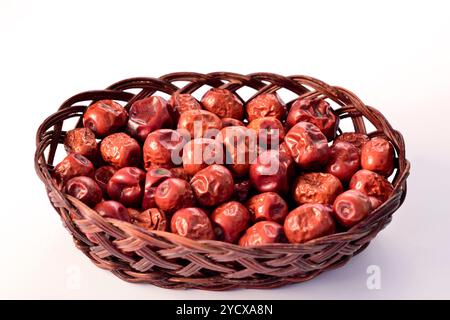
{"x":168,"y":260}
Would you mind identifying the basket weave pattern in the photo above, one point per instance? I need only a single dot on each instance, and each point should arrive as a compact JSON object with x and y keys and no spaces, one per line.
{"x":168,"y":260}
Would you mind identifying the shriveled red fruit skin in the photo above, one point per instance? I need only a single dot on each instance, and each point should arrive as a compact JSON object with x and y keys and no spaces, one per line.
{"x":192,"y":223}
{"x":212,"y":185}
{"x":120,"y":150}
{"x":223,"y":103}
{"x":163,"y":148}
{"x":239,"y":148}
{"x":181,"y":102}
{"x":84,"y":189}
{"x":268,"y":130}
{"x":351,"y":207}
{"x":105,"y":117}
{"x":230,"y":220}
{"x":316,"y":187}
{"x":344,"y":161}
{"x":199,"y":124}
{"x":153,"y":179}
{"x":307,"y":145}
{"x":315,"y":111}
{"x":113,"y":209}
{"x":263,"y":232}
{"x":71,"y":166}
{"x":174,"y":194}
{"x":102,"y":176}
{"x":354,"y":138}
{"x":200,"y":153}
{"x":377,"y":155}
{"x":81,"y":141}
{"x":272,"y":172}
{"x":150,"y":219}
{"x":266,"y":105}
{"x":371,"y":184}
{"x":148,"y":115}
{"x":308,"y":222}
{"x":127,"y":186}
{"x":229,"y":122}
{"x":267,"y":206}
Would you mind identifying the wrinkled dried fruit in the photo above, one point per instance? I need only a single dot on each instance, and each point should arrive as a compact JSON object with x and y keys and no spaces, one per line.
{"x":266,"y":105}
{"x":223,"y":103}
{"x":105,"y":117}
{"x":316,"y":187}
{"x":317,"y":112}
{"x":263,"y":232}
{"x":192,"y":223}
{"x":308,"y":222}
{"x":307,"y":145}
{"x":230,"y":220}
{"x":120,"y":150}
{"x":212,"y":185}
{"x":377,"y":155}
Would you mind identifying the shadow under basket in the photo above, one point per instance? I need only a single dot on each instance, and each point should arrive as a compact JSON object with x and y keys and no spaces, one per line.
{"x":170,"y":261}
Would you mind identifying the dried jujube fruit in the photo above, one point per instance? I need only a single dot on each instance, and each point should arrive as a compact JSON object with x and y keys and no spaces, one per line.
{"x":212,"y":185}
{"x":316,"y":187}
{"x":267,"y":206}
{"x":272,"y":172}
{"x":127,"y":186}
{"x":120,"y":150}
{"x":229,"y":122}
{"x":371,"y":184}
{"x":307,"y":145}
{"x":200,"y":153}
{"x":250,"y":173}
{"x":354,"y":138}
{"x":351,"y":207}
{"x":81,"y":141}
{"x":377,"y":155}
{"x":153,"y":179}
{"x":181,"y":102}
{"x":309,"y":221}
{"x":230,"y":220}
{"x":102,"y":176}
{"x":223,"y":103}
{"x":199,"y":124}
{"x":315,"y":111}
{"x":344,"y":161}
{"x":105,"y":117}
{"x":151,"y":219}
{"x":113,"y":209}
{"x":240,"y":148}
{"x":163,"y":148}
{"x":192,"y":223}
{"x":266,"y":105}
{"x":269,"y":131}
{"x":173,"y":194}
{"x":263,"y":232}
{"x":84,"y":189}
{"x":72,"y":165}
{"x":148,"y":115}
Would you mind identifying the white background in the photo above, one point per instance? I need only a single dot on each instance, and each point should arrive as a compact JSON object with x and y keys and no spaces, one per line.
{"x":395,"y":55}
